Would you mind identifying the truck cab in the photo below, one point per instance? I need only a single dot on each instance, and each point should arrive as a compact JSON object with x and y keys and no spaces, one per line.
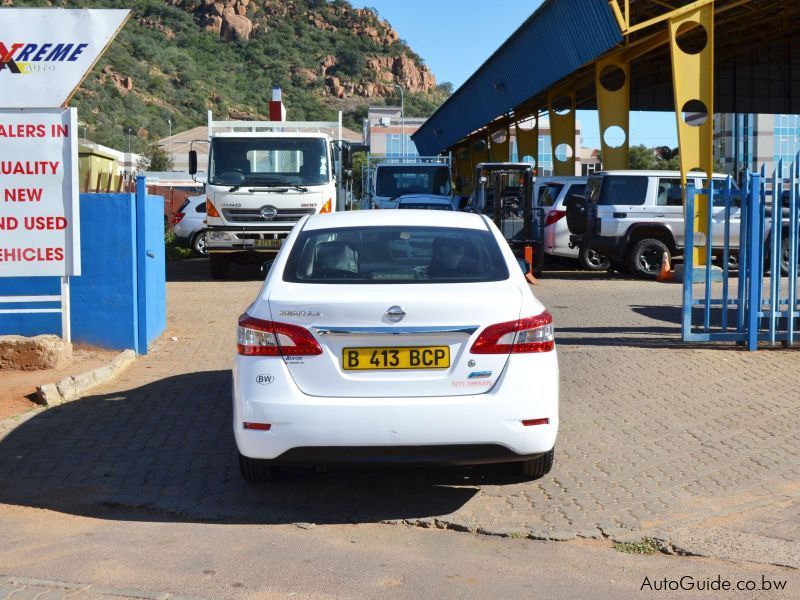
{"x":391,"y":179}
{"x":260,"y":183}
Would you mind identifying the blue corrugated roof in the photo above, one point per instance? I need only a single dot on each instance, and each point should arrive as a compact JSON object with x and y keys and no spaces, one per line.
{"x":557,"y":39}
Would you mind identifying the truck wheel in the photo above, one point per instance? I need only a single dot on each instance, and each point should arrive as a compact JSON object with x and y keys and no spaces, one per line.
{"x":538,"y":467}
{"x":646,"y":256}
{"x":592,"y":260}
{"x":220,"y":264}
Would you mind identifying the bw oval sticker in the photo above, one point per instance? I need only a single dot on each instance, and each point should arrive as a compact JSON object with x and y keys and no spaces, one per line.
{"x":265,"y":379}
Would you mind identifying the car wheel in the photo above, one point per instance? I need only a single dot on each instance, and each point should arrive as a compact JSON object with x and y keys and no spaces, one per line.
{"x":785,"y":257}
{"x":646,"y":256}
{"x":538,"y":467}
{"x":199,"y":244}
{"x":256,"y":471}
{"x":220,"y":265}
{"x":733,"y":261}
{"x":592,"y":260}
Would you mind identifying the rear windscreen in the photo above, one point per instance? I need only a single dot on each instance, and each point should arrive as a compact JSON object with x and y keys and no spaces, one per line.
{"x":395,"y":255}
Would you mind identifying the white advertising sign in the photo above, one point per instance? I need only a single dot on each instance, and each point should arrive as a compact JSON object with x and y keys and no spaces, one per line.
{"x":39,"y":228}
{"x":45,"y":53}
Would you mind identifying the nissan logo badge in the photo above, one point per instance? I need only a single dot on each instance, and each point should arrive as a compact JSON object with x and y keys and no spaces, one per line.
{"x":395,"y":314}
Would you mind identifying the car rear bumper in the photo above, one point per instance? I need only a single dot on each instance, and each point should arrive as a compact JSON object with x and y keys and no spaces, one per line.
{"x":466,"y":429}
{"x":453,"y":454}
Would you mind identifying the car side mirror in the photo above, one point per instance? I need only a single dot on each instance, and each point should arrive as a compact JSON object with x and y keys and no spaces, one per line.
{"x":524,"y":266}
{"x":192,"y":162}
{"x":266,"y":266}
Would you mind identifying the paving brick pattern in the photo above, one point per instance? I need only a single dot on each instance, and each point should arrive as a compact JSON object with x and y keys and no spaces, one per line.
{"x":654,"y":434}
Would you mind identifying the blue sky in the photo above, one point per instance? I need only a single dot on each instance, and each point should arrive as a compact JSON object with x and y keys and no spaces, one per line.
{"x":455,"y":37}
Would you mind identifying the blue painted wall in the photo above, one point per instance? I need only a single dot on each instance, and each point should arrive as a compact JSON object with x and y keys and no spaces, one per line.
{"x":30,"y":324}
{"x":104,"y":307}
{"x":119,"y":301}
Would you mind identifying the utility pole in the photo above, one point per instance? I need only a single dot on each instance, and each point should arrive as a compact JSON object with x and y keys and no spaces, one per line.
{"x":402,"y":117}
{"x":169,"y":139}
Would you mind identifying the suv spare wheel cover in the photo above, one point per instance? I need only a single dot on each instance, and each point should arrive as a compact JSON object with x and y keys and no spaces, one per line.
{"x":576,"y":214}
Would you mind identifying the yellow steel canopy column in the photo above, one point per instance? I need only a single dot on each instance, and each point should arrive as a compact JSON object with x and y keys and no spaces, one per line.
{"x":612,"y":84}
{"x":478,"y":153}
{"x":501,"y":143}
{"x":527,"y":132}
{"x":561,"y":108}
{"x":463,"y":170}
{"x":691,"y":37}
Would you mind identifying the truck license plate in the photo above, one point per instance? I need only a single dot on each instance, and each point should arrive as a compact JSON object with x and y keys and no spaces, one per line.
{"x":268,"y":243}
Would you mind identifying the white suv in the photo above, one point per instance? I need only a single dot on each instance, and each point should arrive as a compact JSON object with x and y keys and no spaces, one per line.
{"x":634,"y":217}
{"x":552,"y":194}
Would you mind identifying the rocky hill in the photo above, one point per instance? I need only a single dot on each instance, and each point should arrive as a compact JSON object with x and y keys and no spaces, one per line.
{"x":175,"y":59}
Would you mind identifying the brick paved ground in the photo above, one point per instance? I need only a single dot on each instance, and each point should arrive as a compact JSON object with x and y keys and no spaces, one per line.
{"x":655,"y":436}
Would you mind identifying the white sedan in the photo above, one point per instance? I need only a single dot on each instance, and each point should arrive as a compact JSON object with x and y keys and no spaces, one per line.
{"x":391,"y":337}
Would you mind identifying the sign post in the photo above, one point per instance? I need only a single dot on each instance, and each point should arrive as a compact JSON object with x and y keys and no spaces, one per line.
{"x":44,"y":56}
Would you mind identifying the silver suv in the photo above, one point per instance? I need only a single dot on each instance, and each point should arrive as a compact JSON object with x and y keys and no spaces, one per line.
{"x":633,"y":217}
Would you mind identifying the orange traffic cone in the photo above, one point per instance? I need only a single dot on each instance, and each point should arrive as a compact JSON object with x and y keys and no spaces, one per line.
{"x":529,"y":259}
{"x":664,"y":275}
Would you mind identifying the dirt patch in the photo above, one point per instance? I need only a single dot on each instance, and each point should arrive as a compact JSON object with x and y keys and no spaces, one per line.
{"x":19,"y":387}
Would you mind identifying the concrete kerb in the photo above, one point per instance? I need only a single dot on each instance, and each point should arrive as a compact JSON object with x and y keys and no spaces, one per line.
{"x":43,"y":586}
{"x":70,"y":388}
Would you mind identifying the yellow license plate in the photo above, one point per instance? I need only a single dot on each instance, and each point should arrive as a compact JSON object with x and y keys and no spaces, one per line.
{"x":268,"y":243}
{"x":422,"y":357}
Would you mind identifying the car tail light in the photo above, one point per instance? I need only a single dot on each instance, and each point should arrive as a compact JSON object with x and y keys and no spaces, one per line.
{"x":531,"y":334}
{"x":257,"y":426}
{"x":327,"y":207}
{"x":554,"y":216}
{"x":211,"y":210}
{"x":269,"y":338}
{"x":176,"y":218}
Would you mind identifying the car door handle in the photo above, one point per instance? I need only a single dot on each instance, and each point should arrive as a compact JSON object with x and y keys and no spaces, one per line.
{"x":662,"y":216}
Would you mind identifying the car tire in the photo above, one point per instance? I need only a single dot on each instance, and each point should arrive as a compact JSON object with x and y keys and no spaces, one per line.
{"x":646,"y":256}
{"x":785,"y":257}
{"x":538,"y":467}
{"x":199,"y":244}
{"x":592,"y":260}
{"x":256,"y":471}
{"x":220,"y":265}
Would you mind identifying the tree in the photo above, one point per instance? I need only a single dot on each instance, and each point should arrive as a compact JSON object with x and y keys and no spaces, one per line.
{"x":155,"y":158}
{"x":641,"y":158}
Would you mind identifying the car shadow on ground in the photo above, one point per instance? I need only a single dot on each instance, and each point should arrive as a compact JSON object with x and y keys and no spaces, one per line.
{"x":166,"y":450}
{"x":197,"y":269}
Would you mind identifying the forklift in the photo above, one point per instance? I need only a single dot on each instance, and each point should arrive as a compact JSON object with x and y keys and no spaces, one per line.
{"x":504,"y":192}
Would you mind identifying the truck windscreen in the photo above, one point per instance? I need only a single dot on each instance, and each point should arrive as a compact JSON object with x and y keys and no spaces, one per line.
{"x":268,"y":161}
{"x":400,"y":180}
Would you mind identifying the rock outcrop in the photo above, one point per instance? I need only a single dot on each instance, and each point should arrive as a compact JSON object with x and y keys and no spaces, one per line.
{"x":34,"y":353}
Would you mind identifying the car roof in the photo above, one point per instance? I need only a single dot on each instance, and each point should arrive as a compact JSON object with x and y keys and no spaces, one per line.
{"x":395,"y":218}
{"x":657,"y":173}
{"x":563,"y":179}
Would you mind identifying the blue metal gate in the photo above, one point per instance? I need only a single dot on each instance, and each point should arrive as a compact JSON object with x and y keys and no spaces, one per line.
{"x":759,"y":303}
